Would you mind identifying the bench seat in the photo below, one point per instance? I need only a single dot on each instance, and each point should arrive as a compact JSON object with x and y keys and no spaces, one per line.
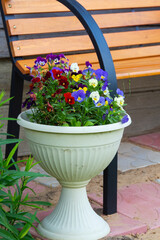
{"x":125,"y":68}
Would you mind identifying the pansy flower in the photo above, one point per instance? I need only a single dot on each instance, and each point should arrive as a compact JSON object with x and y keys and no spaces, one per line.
{"x":105,"y":85}
{"x":106,"y":91}
{"x":69,"y":98}
{"x":63,"y":81}
{"x":101,"y":102}
{"x":40,"y":61}
{"x":120,"y":92}
{"x":119,"y":100}
{"x":95,"y":96}
{"x":77,"y":77}
{"x":74,"y":67}
{"x":88,"y":64}
{"x":48,"y":75}
{"x":79,"y":95}
{"x":56,"y":73}
{"x":101,"y":75}
{"x":89,"y":71}
{"x":93,"y":82}
{"x":125,"y":119}
{"x":36,"y":80}
{"x":108,"y":101}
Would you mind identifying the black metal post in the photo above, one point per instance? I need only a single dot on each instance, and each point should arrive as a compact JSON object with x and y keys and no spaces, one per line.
{"x":106,"y":63}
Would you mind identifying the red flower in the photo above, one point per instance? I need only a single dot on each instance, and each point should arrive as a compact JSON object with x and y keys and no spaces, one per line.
{"x":48,"y":75}
{"x":63,"y":82}
{"x":68,"y":98}
{"x":36,"y":80}
{"x":56,"y":73}
{"x":31,"y":86}
{"x":49,"y":107}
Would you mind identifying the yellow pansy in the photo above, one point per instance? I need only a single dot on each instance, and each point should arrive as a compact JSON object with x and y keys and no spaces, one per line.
{"x":76,"y":78}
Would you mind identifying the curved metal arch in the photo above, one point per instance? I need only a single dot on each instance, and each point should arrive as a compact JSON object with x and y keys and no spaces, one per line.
{"x":97,"y":38}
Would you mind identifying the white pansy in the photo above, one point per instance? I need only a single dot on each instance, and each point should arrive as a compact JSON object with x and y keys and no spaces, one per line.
{"x":74,"y":67}
{"x":106,"y":92}
{"x":93,"y":82}
{"x":119,"y":100}
{"x":95,"y":96}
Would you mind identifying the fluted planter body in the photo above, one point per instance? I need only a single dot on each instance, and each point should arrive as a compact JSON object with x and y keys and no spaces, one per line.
{"x":73,"y":155}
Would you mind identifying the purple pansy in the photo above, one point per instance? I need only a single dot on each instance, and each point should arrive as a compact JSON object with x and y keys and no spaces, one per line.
{"x":79,"y":95}
{"x":120,"y":92}
{"x":88,"y":64}
{"x":125,"y":119}
{"x":88,"y":71}
{"x":101,"y":102}
{"x":81,"y":85}
{"x":40,"y":61}
{"x":53,"y":57}
{"x":109,"y":100}
{"x":101,"y":75}
{"x":28,"y":103}
{"x":105,"y":85}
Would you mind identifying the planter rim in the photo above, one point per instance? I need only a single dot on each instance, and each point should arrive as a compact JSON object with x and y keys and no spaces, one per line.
{"x":23,"y":121}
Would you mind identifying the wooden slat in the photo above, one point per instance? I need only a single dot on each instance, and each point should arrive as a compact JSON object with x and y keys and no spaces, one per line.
{"x":122,"y":54}
{"x":74,"y":43}
{"x":124,"y":69}
{"x":63,"y":24}
{"x":39,"y":6}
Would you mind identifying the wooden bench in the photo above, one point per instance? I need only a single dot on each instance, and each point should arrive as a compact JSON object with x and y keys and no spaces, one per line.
{"x":131,"y":29}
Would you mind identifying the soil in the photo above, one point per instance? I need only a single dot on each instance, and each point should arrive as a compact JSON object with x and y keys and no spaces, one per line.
{"x":147,"y":174}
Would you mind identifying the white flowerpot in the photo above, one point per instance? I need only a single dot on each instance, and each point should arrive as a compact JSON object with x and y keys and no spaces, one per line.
{"x":73,"y":155}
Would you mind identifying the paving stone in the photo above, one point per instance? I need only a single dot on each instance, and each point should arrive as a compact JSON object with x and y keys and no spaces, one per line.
{"x":131,"y":156}
{"x":140,"y":202}
{"x":151,"y":140}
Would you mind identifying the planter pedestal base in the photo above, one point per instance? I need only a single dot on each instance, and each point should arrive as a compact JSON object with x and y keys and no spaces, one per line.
{"x":73,"y":218}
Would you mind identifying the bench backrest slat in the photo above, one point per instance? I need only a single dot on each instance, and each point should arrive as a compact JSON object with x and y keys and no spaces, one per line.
{"x":72,"y":43}
{"x":70,"y":23}
{"x":41,"y":6}
{"x":40,"y":27}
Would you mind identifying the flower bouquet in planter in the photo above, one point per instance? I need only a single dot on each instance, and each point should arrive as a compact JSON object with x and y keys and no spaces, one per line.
{"x":74,"y":128}
{"x":66,"y":96}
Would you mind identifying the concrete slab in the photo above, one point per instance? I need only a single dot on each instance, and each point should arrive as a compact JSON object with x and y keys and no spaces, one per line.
{"x":151,"y":140}
{"x":140,"y":202}
{"x":131,"y":156}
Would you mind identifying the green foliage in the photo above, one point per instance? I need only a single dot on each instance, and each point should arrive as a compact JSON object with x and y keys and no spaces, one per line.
{"x":14,"y":221}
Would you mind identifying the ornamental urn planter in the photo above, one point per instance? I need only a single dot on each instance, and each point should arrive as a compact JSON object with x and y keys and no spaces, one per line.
{"x":73,"y":155}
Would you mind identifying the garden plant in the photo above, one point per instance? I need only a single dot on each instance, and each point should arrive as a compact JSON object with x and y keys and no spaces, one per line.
{"x":15,"y":222}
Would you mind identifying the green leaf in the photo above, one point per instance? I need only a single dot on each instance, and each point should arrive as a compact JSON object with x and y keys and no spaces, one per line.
{"x":6,"y":235}
{"x":89,"y":123}
{"x":27,"y":226}
{"x":11,"y":154}
{"x":78,"y":123}
{"x":9,"y":141}
{"x":40,"y":203}
{"x":7,"y":100}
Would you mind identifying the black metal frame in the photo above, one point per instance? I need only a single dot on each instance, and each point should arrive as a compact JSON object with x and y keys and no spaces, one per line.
{"x":106,"y":63}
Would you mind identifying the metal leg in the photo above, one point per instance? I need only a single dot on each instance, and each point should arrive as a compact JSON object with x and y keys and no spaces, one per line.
{"x":16,"y":92}
{"x":110,"y":188}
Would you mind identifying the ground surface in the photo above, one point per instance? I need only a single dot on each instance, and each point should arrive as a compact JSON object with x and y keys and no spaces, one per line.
{"x":146,"y":174}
